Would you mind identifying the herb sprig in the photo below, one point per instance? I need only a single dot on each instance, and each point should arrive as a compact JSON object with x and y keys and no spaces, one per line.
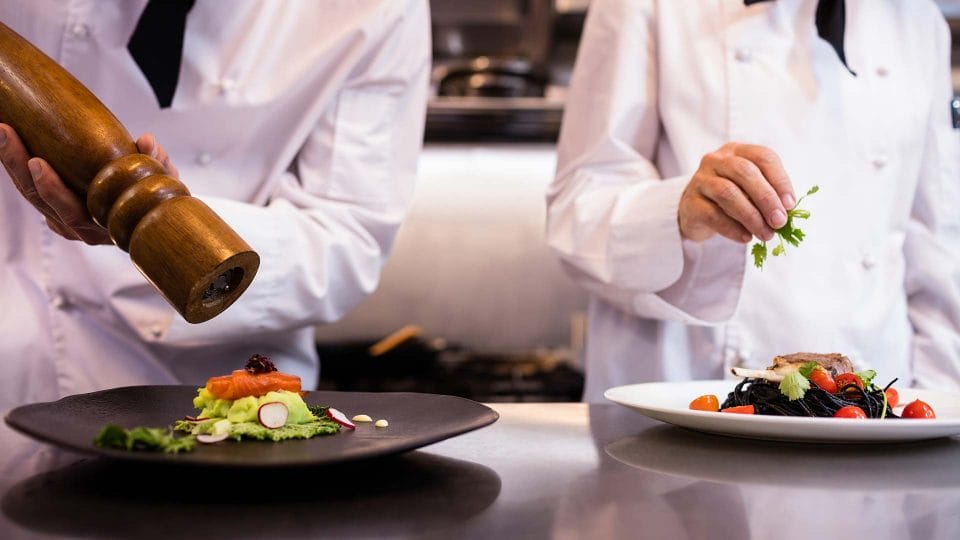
{"x":144,"y":438}
{"x":789,"y":233}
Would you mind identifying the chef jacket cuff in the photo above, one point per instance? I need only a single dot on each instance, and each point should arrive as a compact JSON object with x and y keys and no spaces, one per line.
{"x":709,"y":286}
{"x":645,"y":236}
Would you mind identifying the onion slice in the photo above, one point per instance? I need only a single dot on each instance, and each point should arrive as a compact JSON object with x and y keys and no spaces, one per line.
{"x":273,"y":414}
{"x":209,"y":438}
{"x":340,"y":418}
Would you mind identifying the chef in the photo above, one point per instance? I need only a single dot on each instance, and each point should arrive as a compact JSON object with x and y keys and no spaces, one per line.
{"x":299,"y":123}
{"x":692,"y":128}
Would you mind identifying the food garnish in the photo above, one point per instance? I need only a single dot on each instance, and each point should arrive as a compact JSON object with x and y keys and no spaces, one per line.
{"x":918,"y":410}
{"x":789,"y":233}
{"x":259,"y":364}
{"x":340,"y":418}
{"x":273,"y":414}
{"x":739,"y":409}
{"x":381,"y":423}
{"x":893,"y":397}
{"x":794,"y":385}
{"x":822,"y":379}
{"x":849,"y":411}
{"x":207,"y":438}
{"x":143,"y":438}
{"x":706,"y":402}
{"x":362,"y":418}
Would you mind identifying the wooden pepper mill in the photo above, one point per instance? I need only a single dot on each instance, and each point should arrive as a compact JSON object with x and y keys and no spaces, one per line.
{"x":191,"y":256}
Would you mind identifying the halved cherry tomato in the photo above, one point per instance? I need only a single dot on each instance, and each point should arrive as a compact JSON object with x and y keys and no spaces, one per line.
{"x":822,"y":378}
{"x":846,"y":379}
{"x":706,"y":402}
{"x":918,"y":409}
{"x":850,"y":411}
{"x":741,"y":409}
{"x":893,"y":397}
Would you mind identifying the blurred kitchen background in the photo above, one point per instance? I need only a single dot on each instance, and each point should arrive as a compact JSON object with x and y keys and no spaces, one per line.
{"x":472,"y":302}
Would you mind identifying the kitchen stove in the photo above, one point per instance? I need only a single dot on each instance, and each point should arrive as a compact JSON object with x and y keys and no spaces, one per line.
{"x":500,"y":70}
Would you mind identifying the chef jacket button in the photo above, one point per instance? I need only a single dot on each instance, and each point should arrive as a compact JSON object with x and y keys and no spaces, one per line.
{"x":58,"y":301}
{"x":226,"y":85}
{"x":79,"y":30}
{"x":882,"y":71}
{"x":879,"y":161}
{"x":156,"y":330}
{"x":868,"y":262}
{"x":203,"y":158}
{"x":743,"y":55}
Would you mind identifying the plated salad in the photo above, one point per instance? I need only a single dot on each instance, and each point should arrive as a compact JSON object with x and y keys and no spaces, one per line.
{"x":257,"y":402}
{"x":811,"y":384}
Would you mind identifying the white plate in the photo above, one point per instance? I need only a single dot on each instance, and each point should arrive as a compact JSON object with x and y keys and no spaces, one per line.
{"x":669,"y":402}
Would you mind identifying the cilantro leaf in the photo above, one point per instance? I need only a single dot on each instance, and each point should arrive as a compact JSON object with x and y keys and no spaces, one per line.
{"x":759,"y":252}
{"x":794,"y":385}
{"x":789,"y":234}
{"x":807,"y":369}
{"x":867,"y":377}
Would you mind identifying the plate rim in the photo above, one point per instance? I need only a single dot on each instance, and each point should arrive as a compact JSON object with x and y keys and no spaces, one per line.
{"x":488,"y":417}
{"x":747,"y":426}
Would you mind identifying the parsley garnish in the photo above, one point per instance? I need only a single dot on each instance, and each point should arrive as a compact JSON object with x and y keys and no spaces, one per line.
{"x":794,"y":385}
{"x":789,"y":234}
{"x":319,"y":411}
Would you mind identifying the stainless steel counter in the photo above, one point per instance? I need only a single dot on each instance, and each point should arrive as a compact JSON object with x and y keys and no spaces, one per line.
{"x":541,"y":471}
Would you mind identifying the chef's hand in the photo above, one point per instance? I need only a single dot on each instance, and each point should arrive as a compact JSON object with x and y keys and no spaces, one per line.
{"x":739,"y":191}
{"x":65,"y":213}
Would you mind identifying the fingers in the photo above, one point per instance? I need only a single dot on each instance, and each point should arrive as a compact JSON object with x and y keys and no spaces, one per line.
{"x":752,"y":182}
{"x":738,"y":189}
{"x":772,"y":169}
{"x":148,"y":145}
{"x":15,"y":160}
{"x":67,"y":211}
{"x":58,"y":228}
{"x":734,"y":202}
{"x":709,"y":219}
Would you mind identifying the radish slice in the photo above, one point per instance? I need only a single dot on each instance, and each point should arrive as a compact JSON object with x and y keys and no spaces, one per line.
{"x":192,"y":419}
{"x":340,"y":418}
{"x":209,"y":438}
{"x":272,"y":415}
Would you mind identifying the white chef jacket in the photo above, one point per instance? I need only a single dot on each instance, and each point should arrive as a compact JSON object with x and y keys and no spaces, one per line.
{"x":299,"y":123}
{"x":658,"y":84}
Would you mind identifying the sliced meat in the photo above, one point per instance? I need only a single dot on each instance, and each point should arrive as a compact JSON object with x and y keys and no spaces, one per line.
{"x":835,"y":363}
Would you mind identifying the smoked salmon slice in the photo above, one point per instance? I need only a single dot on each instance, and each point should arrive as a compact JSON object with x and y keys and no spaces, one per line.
{"x":242,"y":383}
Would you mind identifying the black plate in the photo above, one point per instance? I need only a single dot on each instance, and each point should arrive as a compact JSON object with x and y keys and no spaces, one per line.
{"x":416,"y":420}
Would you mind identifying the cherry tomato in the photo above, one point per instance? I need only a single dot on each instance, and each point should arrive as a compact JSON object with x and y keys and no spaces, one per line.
{"x":893,"y":397}
{"x":742,"y":409}
{"x":918,"y":409}
{"x":846,"y":379}
{"x":850,"y":411}
{"x":822,"y":378}
{"x":707,"y":402}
